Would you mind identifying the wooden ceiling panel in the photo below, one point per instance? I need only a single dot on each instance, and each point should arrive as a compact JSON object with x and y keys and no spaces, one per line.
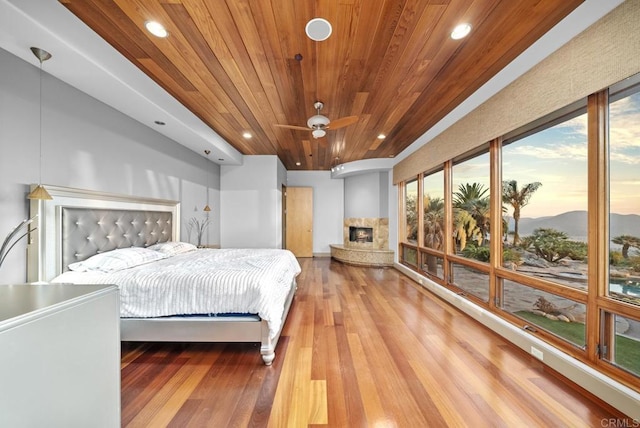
{"x":247,"y":65}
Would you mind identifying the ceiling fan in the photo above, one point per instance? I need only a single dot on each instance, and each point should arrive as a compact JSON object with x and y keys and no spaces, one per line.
{"x":319,"y":124}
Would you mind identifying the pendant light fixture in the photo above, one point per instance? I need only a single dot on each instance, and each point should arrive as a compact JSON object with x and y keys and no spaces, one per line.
{"x":40,"y":192}
{"x":207,"y":209}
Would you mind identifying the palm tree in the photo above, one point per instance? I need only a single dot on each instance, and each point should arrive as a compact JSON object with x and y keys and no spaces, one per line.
{"x":471,"y":211}
{"x":433,"y":218}
{"x":411,"y":211}
{"x":626,"y":241}
{"x":433,"y":223}
{"x":517,"y":198}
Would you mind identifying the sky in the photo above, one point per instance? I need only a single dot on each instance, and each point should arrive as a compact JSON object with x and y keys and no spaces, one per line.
{"x":557,"y":158}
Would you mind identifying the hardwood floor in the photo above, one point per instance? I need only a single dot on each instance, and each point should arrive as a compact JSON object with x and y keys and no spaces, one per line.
{"x":363,"y":347}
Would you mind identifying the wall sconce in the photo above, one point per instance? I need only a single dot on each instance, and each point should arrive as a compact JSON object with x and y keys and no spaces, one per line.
{"x":40,"y":192}
{"x":11,"y":240}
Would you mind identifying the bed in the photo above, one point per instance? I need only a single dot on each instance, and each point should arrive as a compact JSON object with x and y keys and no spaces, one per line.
{"x":217,"y":295}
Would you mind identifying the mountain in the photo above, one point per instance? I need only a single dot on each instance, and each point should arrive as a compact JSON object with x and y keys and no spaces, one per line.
{"x":574,"y":224}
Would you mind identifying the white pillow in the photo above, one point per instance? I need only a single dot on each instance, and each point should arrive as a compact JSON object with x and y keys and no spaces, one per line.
{"x":171,"y":248}
{"x":115,"y":260}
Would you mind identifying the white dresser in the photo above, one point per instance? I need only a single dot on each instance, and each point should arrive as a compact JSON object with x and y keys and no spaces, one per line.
{"x":59,"y":356}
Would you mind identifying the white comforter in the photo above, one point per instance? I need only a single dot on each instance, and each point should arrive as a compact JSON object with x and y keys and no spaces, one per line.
{"x":206,"y":281}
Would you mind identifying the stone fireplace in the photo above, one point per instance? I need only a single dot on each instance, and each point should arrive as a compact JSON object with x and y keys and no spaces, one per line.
{"x":366,"y":233}
{"x":365,"y":242}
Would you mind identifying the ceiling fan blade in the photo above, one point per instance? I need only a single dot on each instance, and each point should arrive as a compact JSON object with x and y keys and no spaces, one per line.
{"x":299,"y":128}
{"x":342,"y":122}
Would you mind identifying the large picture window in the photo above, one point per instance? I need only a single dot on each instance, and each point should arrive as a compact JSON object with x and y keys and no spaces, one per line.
{"x":544,"y":196}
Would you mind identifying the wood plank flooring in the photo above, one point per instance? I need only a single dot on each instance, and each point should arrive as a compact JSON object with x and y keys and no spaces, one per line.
{"x":363,"y":347}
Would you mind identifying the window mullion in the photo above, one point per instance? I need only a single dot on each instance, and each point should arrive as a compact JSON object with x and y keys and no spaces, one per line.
{"x":598,"y":214}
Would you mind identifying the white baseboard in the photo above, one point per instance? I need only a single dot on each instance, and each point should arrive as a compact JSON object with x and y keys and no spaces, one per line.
{"x":607,"y":389}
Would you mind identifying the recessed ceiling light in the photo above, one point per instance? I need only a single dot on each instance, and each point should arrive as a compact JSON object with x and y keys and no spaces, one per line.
{"x":298,"y":163}
{"x":159,"y":122}
{"x":247,"y":135}
{"x":318,"y":29}
{"x":156,"y":29}
{"x":461,"y":31}
{"x":381,"y":137}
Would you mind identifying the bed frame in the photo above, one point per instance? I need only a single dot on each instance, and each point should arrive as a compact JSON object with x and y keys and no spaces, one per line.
{"x":77,"y":224}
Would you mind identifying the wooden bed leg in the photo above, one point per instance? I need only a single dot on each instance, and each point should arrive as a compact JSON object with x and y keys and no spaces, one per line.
{"x":267,"y":345}
{"x":268,"y":357}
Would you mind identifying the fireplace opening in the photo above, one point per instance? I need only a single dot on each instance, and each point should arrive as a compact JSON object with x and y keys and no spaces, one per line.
{"x":360,"y":234}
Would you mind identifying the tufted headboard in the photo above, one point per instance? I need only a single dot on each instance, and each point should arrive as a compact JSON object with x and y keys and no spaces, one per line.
{"x":77,"y":224}
{"x":88,"y":231}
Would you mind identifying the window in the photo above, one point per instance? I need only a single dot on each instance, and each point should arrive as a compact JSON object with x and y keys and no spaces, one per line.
{"x":411,"y":211}
{"x":559,"y":316}
{"x":621,"y":346}
{"x":624,"y":199}
{"x":433,"y":215}
{"x":470,"y":280}
{"x":471,"y":208}
{"x":433,"y":223}
{"x":544,"y":196}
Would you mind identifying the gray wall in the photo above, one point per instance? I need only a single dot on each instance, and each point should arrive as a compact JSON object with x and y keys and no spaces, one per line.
{"x":87,"y":145}
{"x":251,"y":203}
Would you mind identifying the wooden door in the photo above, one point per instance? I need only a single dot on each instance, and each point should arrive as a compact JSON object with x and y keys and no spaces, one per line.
{"x":299,"y":221}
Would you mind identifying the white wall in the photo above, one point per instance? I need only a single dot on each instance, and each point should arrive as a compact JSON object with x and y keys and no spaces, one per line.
{"x":88,"y":145}
{"x":251,"y":203}
{"x":328,"y":207}
{"x":366,"y":195}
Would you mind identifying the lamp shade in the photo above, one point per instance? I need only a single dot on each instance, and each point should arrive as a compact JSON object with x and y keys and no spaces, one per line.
{"x":39,"y":193}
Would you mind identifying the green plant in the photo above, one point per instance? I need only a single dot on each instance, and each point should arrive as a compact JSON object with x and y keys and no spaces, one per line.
{"x":615,"y":258}
{"x":550,"y":244}
{"x":471,"y":214}
{"x":477,"y":252}
{"x":627,"y":241}
{"x":634,"y":262}
{"x":511,"y":255}
{"x":576,"y":250}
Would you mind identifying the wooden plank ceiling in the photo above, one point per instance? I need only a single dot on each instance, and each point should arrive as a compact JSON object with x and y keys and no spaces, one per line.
{"x":236,"y":64}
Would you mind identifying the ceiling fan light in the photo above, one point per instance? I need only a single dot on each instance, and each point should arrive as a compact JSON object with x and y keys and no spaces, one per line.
{"x":317,"y":121}
{"x":318,"y":133}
